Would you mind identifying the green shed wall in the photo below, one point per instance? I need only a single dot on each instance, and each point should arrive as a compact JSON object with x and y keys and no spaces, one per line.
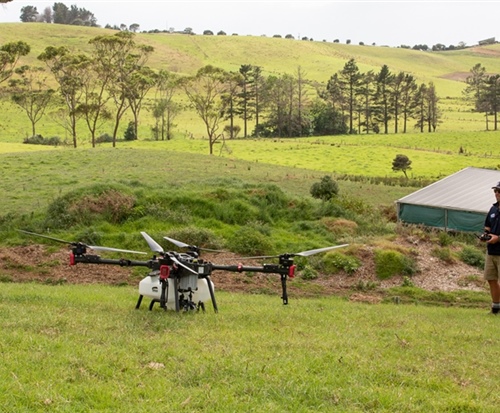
{"x":442,"y":218}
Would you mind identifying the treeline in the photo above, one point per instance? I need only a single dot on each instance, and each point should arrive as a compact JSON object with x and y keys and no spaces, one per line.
{"x":59,"y":13}
{"x":99,"y":88}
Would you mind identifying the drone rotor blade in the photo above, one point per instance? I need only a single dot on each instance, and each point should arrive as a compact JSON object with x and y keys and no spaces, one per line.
{"x":180,"y":244}
{"x":47,"y":237}
{"x":96,"y":248}
{"x":155,"y":247}
{"x":317,"y":251}
{"x":182,"y":265}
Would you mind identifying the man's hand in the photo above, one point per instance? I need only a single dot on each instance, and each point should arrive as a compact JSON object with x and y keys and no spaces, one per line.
{"x":493,"y":239}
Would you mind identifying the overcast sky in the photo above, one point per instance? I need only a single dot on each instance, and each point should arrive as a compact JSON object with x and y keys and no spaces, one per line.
{"x":391,"y":23}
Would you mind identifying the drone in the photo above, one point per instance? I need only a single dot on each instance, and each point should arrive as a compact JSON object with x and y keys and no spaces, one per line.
{"x":181,"y":281}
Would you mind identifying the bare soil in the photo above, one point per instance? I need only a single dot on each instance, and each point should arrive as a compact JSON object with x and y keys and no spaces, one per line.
{"x":38,"y":263}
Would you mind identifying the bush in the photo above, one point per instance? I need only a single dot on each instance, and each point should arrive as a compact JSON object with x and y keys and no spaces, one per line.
{"x":40,"y":140}
{"x":326,"y":189}
{"x":472,"y":256}
{"x":200,"y":237}
{"x":389,"y":263}
{"x":337,"y":261}
{"x":130,"y":134}
{"x":104,"y":138}
{"x":249,"y":241}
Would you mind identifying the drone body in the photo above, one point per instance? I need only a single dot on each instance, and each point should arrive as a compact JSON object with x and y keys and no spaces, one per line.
{"x":181,"y":281}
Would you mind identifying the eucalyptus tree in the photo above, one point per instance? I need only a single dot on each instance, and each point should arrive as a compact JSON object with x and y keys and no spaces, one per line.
{"x":31,"y":92}
{"x":205,"y":92}
{"x":121,"y":62}
{"x":10,"y":53}
{"x":140,"y":82}
{"x":164,"y":108}
{"x":70,"y":71}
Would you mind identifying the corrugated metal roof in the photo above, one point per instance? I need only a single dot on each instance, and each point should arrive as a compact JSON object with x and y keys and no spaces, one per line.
{"x":466,"y":190}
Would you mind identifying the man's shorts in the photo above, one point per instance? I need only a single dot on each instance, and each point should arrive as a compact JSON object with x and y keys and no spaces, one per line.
{"x":492,"y":267}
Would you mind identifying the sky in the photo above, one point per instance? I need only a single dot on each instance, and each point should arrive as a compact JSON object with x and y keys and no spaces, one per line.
{"x":383,"y":23}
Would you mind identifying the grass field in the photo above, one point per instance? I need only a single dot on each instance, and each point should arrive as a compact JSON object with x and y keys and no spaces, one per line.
{"x":90,"y":350}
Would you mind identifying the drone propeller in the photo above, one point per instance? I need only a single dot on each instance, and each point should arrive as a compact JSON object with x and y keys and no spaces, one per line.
{"x":181,"y":244}
{"x":76,"y":244}
{"x":299,"y":254}
{"x":155,"y":247}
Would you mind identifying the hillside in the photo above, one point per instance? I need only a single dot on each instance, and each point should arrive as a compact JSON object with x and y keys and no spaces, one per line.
{"x":186,"y":53}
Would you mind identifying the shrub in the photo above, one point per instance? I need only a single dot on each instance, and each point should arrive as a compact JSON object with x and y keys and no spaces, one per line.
{"x":200,"y":237}
{"x":336,"y":261}
{"x":309,"y":273}
{"x":444,"y":254}
{"x":249,"y":241}
{"x":326,"y":189}
{"x":130,"y":134}
{"x":389,"y":263}
{"x":472,"y":256}
{"x":40,"y":140}
{"x":104,"y":138}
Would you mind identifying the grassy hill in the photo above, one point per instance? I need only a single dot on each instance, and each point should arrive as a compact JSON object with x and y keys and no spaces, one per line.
{"x":185,"y":54}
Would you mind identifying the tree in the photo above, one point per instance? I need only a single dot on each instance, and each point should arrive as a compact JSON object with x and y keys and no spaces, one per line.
{"x":349,"y":79}
{"x":164,"y":108}
{"x":134,"y":27}
{"x":140,"y":82}
{"x":9,"y":56}
{"x":120,"y":62}
{"x":28,"y":14}
{"x":401,"y":163}
{"x":70,"y":71}
{"x":383,"y":81}
{"x":234,"y":81}
{"x":31,"y":93}
{"x":475,"y":88}
{"x":325,"y":190}
{"x":205,"y":91}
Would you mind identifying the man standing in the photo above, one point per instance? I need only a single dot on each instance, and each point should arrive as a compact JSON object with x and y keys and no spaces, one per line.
{"x":492,"y":261}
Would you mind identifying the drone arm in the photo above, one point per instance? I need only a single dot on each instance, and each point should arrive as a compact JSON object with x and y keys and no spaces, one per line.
{"x":284,"y":271}
{"x":266,"y":268}
{"x":96,"y":259}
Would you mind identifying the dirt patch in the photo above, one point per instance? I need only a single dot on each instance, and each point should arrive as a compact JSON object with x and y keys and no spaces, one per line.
{"x":41,"y":264}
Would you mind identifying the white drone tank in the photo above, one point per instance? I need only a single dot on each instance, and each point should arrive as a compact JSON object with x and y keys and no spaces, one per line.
{"x":150,"y":287}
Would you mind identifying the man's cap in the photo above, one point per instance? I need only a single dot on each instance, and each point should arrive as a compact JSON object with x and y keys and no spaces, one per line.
{"x":497,"y":186}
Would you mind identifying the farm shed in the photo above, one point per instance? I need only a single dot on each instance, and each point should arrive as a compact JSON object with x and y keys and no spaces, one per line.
{"x":458,"y":202}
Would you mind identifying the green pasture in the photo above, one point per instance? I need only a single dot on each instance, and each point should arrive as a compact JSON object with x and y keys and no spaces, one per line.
{"x":70,"y":348}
